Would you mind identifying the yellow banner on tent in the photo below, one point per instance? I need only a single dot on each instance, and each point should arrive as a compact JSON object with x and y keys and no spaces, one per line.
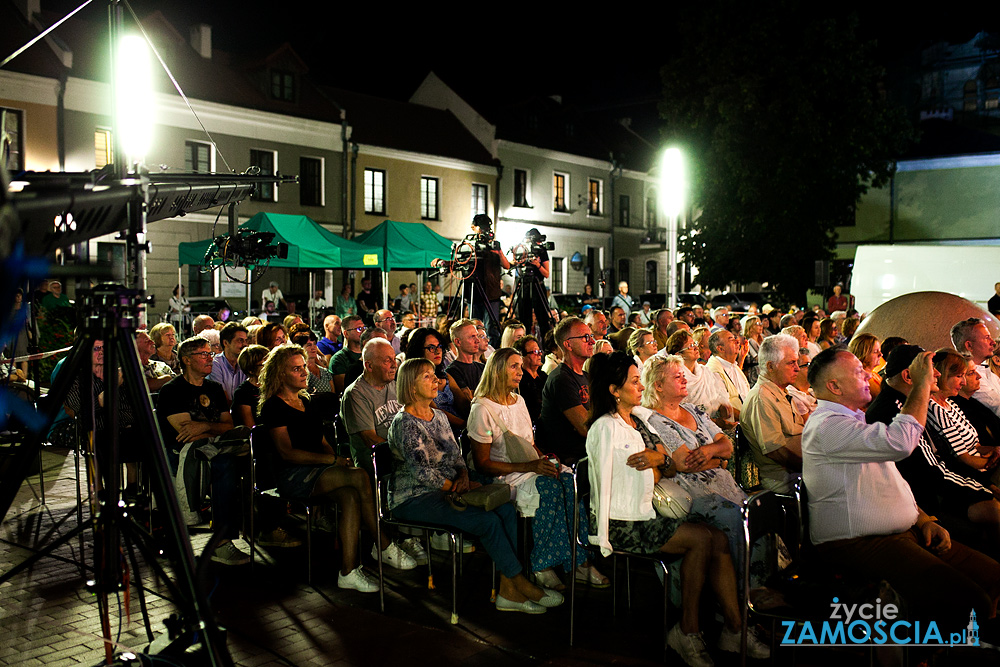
{"x":370,"y":259}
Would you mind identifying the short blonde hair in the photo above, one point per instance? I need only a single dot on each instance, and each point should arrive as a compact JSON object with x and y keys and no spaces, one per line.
{"x":406,"y":379}
{"x":635,"y":340}
{"x":156,"y":333}
{"x":652,"y":372}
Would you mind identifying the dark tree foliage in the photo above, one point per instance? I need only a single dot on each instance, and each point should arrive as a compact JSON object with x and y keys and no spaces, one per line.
{"x":785,"y":125}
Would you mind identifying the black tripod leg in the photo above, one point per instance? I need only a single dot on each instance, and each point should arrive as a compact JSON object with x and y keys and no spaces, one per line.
{"x":49,"y":548}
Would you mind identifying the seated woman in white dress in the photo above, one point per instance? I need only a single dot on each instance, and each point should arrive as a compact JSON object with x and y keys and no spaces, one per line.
{"x":503,"y":446}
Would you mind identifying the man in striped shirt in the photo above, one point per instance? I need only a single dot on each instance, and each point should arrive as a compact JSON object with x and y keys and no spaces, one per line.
{"x":862,"y":512}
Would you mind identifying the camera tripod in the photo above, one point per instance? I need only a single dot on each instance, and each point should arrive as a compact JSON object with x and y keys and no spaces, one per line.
{"x":529,"y":294}
{"x":111,"y":315}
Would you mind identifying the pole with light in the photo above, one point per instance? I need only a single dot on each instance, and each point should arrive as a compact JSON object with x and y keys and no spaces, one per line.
{"x":673,"y":186}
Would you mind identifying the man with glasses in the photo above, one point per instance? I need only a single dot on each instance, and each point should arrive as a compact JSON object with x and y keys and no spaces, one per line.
{"x":385,"y":320}
{"x":772,"y":426}
{"x":566,"y":396}
{"x":193,"y":413}
{"x":348,"y":355}
{"x":972,"y":336}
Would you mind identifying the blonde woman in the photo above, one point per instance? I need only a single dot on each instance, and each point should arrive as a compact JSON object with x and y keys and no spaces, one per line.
{"x":511,"y":333}
{"x":642,"y":345}
{"x":503,"y":446}
{"x":868,"y":350}
{"x":164,"y":337}
{"x":308,"y":468}
{"x":429,"y":466}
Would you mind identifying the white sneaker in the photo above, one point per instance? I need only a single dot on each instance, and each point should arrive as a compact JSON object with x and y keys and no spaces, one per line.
{"x":729,"y":640}
{"x":412,"y":546}
{"x":359,"y":580}
{"x":691,"y":647}
{"x":440,"y":542}
{"x":229,"y":554}
{"x":395,"y":557}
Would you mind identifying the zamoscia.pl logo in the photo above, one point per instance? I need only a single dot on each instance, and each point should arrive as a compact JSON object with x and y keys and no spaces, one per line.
{"x":850,"y":625}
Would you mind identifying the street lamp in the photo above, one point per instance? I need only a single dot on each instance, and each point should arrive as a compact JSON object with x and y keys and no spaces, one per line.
{"x":673,"y":186}
{"x":133,"y":100}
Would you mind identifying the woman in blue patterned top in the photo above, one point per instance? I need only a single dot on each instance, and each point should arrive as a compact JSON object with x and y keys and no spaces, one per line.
{"x":425,"y":343}
{"x":429,"y":466}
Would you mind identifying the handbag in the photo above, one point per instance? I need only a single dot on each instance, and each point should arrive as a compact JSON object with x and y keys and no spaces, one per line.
{"x":670,"y":500}
{"x":488,"y":496}
{"x":519,"y":450}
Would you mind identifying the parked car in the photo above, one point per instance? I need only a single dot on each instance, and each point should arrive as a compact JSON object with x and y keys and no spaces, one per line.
{"x":739,"y":302}
{"x":691,"y":299}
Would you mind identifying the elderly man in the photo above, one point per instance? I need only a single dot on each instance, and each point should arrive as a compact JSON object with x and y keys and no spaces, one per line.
{"x":598,"y":323}
{"x":566,"y":395}
{"x":330,"y":342}
{"x":385,"y":320}
{"x":622,"y":299}
{"x":318,"y":302}
{"x":837,"y":301}
{"x":770,"y":424}
{"x":661,"y":321}
{"x":349,"y":354}
{"x":225,"y":370}
{"x":465,"y":370}
{"x":429,"y":303}
{"x":193,"y":412}
{"x":156,"y":373}
{"x":972,"y":336}
{"x":720,"y":318}
{"x":727,"y":357}
{"x":201,"y":323}
{"x":55,"y":297}
{"x":800,"y":392}
{"x":645,"y":315}
{"x":370,"y":403}
{"x":862,"y":512}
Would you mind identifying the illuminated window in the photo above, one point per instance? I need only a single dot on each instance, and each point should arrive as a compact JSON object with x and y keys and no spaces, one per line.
{"x":375,"y":191}
{"x":12,"y":121}
{"x":594,"y":196}
{"x":198,"y":157}
{"x":521,"y":188}
{"x":560,"y":184}
{"x":265,"y":161}
{"x":311,"y":181}
{"x":428,"y":198}
{"x":103,"y":153}
{"x":480,"y":198}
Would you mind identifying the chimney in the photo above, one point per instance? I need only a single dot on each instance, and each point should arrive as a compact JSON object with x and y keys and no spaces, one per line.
{"x":201,"y":40}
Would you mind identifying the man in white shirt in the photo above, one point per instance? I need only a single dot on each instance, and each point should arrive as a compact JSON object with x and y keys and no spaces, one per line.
{"x":725,"y":352}
{"x":862,"y":512}
{"x":272,"y":295}
{"x":972,"y":336}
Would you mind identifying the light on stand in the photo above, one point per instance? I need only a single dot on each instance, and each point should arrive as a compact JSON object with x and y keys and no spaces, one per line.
{"x":134,"y":98}
{"x":673,"y":186}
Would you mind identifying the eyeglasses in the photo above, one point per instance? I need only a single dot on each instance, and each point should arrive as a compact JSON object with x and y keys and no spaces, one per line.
{"x":587,"y":337}
{"x":433,"y":347}
{"x":387,"y":319}
{"x":204,"y":354}
{"x":650,"y":342}
{"x":536,"y":352}
{"x":358,"y":329}
{"x":805,"y":365}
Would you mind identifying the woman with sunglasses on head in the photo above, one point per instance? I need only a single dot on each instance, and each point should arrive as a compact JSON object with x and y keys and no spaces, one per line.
{"x":626,"y":460}
{"x":425,"y":343}
{"x":642,"y":345}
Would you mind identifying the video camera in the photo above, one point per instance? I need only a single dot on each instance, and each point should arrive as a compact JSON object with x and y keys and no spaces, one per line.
{"x":246,"y":248}
{"x":532,"y":247}
{"x":464,"y":253}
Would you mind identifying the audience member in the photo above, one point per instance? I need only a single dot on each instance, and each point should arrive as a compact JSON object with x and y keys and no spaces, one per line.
{"x":225,"y":367}
{"x":566,"y":395}
{"x":164,"y":337}
{"x":369,"y":403}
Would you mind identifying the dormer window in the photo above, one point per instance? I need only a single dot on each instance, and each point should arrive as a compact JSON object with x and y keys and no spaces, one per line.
{"x":283,"y":86}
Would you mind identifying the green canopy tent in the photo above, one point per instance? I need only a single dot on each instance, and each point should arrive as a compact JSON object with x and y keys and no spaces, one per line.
{"x":404,"y":246}
{"x":310,"y":246}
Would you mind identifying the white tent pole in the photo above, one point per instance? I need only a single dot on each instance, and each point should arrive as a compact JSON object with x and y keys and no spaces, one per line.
{"x":249,"y":295}
{"x":312,"y":291}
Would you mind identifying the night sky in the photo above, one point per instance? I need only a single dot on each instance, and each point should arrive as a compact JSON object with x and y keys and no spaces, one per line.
{"x":492,"y":55}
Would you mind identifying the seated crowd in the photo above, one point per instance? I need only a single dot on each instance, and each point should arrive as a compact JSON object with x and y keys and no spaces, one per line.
{"x":899,"y":451}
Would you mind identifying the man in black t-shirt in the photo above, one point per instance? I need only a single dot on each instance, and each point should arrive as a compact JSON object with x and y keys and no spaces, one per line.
{"x":483,"y":288}
{"x":566,"y":396}
{"x":193,"y":412}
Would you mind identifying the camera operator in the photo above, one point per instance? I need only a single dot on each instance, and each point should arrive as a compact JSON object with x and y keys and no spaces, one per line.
{"x":482,"y":288}
{"x":534,"y":271}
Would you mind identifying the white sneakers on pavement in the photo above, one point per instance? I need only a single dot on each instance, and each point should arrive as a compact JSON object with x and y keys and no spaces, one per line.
{"x":729,"y":640}
{"x":358,"y":580}
{"x":394,"y":556}
{"x":691,"y":647}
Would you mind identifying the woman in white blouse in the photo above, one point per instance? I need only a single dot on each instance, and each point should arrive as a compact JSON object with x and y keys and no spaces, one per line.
{"x":705,"y":388}
{"x":626,"y":460}
{"x":503,"y":445}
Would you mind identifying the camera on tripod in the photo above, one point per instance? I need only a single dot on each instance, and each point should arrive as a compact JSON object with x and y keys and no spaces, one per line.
{"x":534,"y":246}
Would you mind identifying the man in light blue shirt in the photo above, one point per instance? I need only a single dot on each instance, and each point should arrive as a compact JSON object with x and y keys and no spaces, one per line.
{"x":225,"y":370}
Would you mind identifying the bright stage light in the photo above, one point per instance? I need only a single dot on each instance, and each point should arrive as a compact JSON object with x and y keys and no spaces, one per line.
{"x":134,"y":92}
{"x":673,"y":183}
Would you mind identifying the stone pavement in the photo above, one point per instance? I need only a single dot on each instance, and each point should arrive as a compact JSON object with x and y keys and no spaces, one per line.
{"x":273,"y":617}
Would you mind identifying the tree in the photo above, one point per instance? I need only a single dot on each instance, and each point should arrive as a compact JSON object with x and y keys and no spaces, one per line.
{"x":786,"y":125}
